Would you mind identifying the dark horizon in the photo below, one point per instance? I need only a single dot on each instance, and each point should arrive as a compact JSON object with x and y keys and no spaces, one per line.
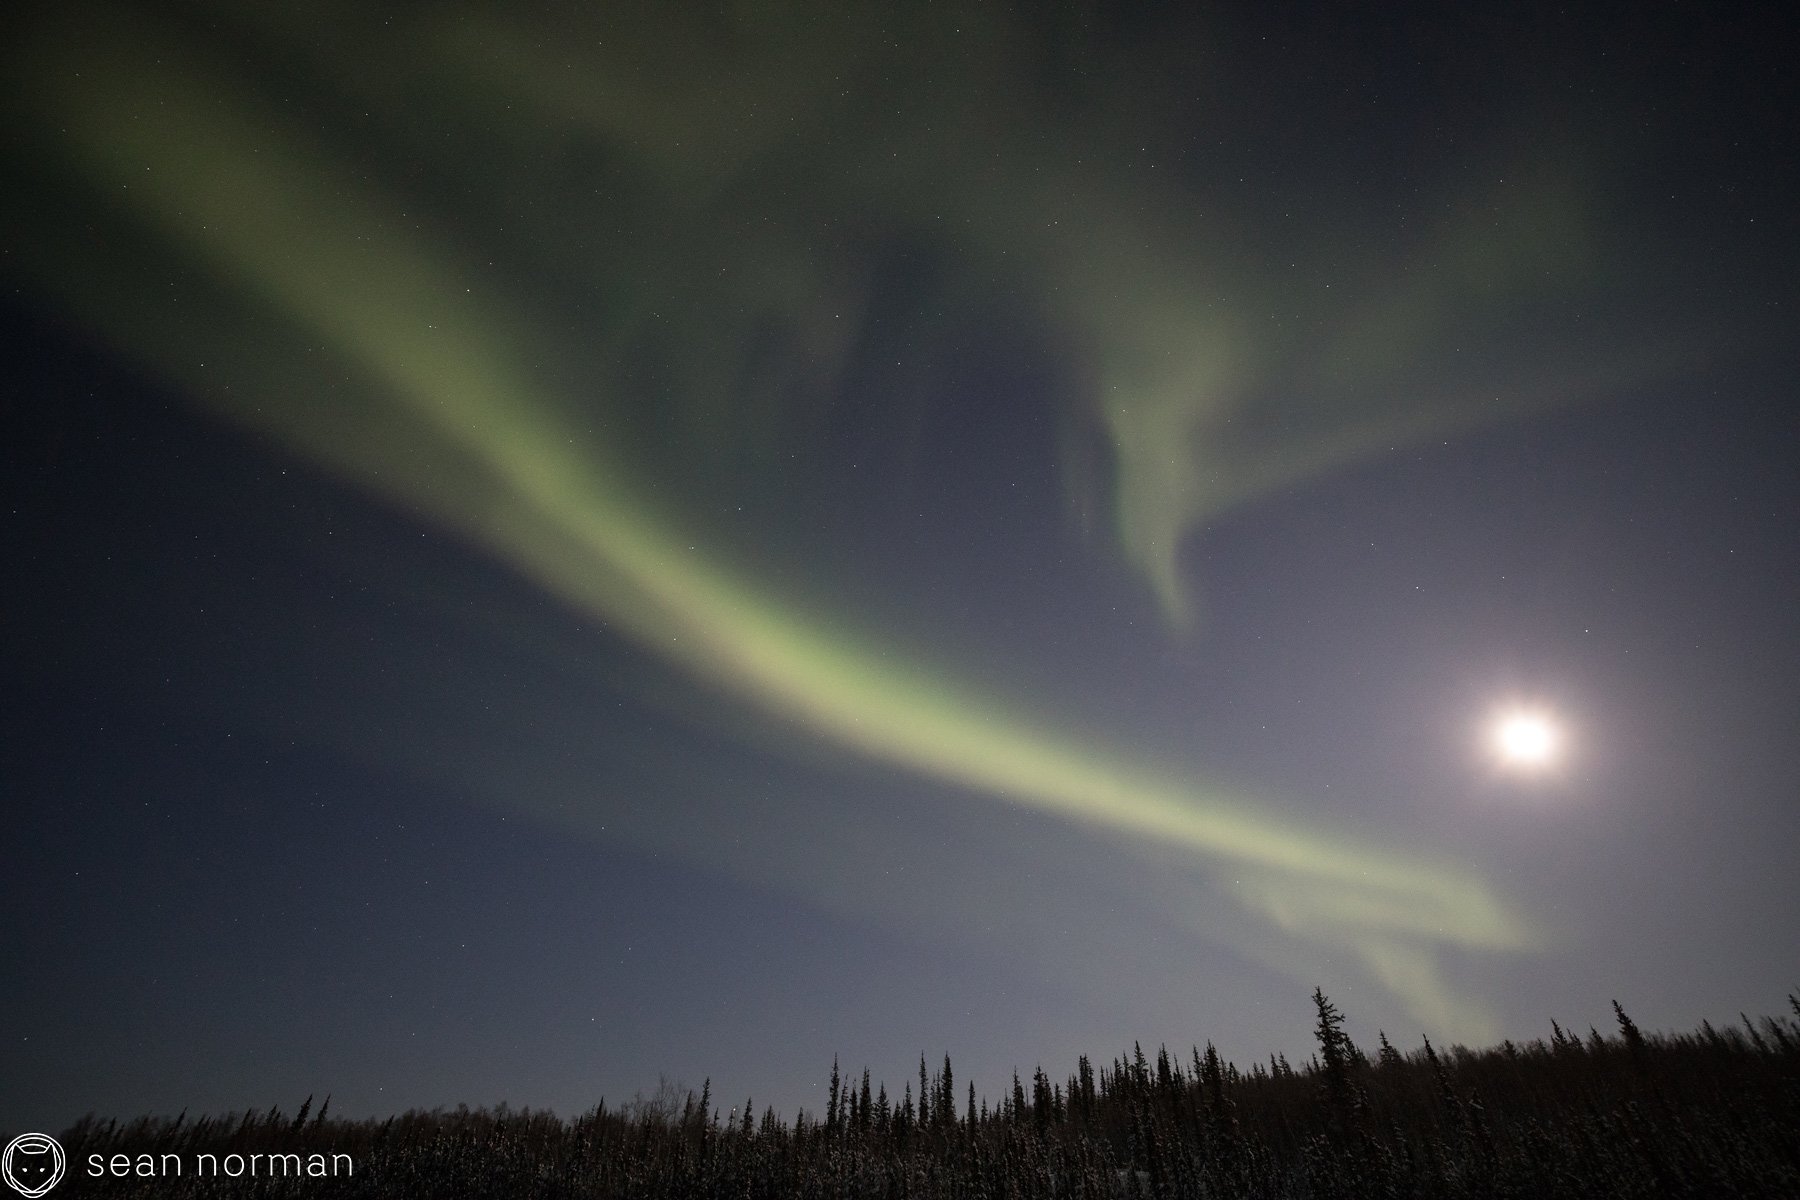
{"x":1624,"y":1114}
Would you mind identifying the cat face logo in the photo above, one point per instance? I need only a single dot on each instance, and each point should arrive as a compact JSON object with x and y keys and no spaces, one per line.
{"x":33,"y":1164}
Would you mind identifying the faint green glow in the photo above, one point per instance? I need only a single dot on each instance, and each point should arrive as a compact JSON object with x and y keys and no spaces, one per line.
{"x":1206,"y":404}
{"x":418,"y":379}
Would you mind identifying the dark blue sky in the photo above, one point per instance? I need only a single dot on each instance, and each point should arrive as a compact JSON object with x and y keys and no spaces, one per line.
{"x":353,"y":747}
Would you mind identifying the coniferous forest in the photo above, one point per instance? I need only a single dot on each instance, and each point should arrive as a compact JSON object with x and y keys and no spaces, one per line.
{"x":1619,"y":1113}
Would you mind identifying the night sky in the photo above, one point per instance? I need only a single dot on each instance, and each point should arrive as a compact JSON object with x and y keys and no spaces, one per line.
{"x":546,"y":549}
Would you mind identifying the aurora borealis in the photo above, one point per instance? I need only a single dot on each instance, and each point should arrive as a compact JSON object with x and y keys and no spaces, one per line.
{"x":707,"y":351}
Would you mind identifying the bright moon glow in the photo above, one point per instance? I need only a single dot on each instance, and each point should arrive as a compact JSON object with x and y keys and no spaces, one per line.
{"x":1526,"y":739}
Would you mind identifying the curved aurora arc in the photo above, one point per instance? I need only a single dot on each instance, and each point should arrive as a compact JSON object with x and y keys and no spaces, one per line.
{"x":445,"y":410}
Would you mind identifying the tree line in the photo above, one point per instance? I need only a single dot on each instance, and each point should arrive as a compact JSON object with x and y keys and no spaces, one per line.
{"x":1624,"y":1113}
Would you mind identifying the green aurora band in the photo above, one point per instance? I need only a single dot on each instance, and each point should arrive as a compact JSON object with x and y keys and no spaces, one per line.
{"x":318,"y":311}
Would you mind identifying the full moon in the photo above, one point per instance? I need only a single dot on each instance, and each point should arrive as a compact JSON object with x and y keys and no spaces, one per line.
{"x":1526,"y":739}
